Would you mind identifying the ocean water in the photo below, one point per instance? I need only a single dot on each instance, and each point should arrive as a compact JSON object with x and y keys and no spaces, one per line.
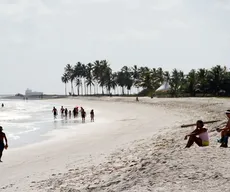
{"x":26,"y":122}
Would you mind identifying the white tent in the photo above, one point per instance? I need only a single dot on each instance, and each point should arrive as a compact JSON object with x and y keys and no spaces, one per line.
{"x":164,"y":87}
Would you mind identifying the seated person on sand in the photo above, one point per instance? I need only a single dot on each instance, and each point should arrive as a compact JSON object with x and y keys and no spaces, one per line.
{"x":225,"y":132}
{"x":198,"y":136}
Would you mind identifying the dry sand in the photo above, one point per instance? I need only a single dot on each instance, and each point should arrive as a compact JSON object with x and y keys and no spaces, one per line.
{"x":132,"y":146}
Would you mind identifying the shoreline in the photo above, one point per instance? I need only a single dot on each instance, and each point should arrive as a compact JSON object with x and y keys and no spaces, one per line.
{"x":127,"y":135}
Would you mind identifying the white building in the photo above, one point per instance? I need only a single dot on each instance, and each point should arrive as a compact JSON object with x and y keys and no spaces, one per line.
{"x":29,"y":92}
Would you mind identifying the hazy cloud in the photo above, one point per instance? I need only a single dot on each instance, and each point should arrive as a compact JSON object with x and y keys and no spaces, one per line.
{"x":39,"y":37}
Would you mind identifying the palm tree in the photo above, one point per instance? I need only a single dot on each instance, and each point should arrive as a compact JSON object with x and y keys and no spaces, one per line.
{"x":166,"y":76}
{"x":70,"y":73}
{"x":108,"y":79}
{"x":127,"y":78}
{"x":202,"y":85}
{"x":192,"y":82}
{"x":78,"y":74}
{"x":89,"y":76}
{"x":155,"y":79}
{"x":65,"y":80}
{"x":146,"y":78}
{"x":136,"y":77}
{"x":99,"y":74}
{"x":78,"y":85}
{"x":121,"y":80}
{"x":96,"y":74}
{"x":83,"y":76}
{"x":176,"y":82}
{"x":216,"y":77}
{"x":159,"y":76}
{"x":114,"y":81}
{"x":104,"y":67}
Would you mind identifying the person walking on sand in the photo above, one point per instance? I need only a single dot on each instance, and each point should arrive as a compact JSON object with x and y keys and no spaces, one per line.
{"x":2,"y":145}
{"x":55,"y":112}
{"x":225,"y":132}
{"x":92,"y":115}
{"x":198,"y":136}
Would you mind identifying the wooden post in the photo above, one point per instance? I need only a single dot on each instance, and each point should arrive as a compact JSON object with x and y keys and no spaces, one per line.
{"x":205,"y":122}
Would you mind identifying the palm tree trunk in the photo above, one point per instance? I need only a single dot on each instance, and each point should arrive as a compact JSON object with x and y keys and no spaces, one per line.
{"x":94,"y":89}
{"x":72,"y":88}
{"x":102,"y":90}
{"x":65,"y":89}
{"x":78,"y":90}
{"x":90,"y":89}
{"x":81,"y":89}
{"x":97,"y":88}
{"x":85,"y":87}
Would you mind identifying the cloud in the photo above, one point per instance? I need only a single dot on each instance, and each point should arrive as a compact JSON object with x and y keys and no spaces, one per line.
{"x":42,"y":34}
{"x":222,"y":4}
{"x":131,"y":35}
{"x":164,"y":5}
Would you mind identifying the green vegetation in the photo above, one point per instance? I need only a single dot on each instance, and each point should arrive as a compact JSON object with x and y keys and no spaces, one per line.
{"x":98,"y":76}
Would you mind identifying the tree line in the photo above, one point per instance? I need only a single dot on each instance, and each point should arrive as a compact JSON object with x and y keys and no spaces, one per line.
{"x":98,"y":78}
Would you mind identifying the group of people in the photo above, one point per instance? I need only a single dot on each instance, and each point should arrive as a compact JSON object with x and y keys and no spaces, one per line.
{"x":65,"y":113}
{"x":200,"y":134}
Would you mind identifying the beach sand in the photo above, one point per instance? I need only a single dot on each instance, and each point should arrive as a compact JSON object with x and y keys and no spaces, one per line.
{"x":132,"y":146}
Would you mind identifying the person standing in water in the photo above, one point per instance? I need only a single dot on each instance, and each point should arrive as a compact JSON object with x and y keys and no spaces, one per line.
{"x":70,"y":113}
{"x":83,"y":114}
{"x":62,"y":111}
{"x":2,"y":145}
{"x":92,"y":115}
{"x":66,"y":112}
{"x":2,"y":104}
{"x":74,"y":112}
{"x":55,"y":112}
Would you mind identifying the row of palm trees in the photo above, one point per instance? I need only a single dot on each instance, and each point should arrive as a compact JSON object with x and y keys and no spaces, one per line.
{"x":99,"y":78}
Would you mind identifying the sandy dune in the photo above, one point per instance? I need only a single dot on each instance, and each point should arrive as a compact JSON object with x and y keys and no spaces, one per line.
{"x":131,"y":147}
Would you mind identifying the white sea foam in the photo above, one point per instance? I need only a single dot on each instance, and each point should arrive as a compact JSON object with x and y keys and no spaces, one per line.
{"x":26,"y":121}
{"x":20,"y":117}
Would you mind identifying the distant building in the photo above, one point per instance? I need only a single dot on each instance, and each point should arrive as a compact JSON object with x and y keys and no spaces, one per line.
{"x":29,"y":92}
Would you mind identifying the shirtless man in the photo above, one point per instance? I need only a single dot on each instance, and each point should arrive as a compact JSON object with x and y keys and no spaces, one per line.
{"x":2,"y":145}
{"x":225,"y":132}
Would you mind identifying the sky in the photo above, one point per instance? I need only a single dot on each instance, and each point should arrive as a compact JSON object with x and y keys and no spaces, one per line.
{"x":39,"y":37}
